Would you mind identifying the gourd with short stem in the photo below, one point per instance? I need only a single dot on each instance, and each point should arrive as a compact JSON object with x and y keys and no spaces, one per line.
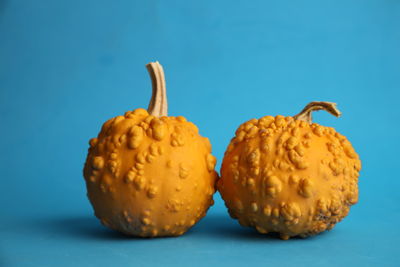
{"x":290,"y":175}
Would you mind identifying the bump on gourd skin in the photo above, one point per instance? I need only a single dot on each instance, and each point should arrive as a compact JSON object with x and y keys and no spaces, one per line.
{"x":150,"y":176}
{"x":288,"y":176}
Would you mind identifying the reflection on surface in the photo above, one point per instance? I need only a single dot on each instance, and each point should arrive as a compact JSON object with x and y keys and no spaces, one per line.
{"x":214,"y":225}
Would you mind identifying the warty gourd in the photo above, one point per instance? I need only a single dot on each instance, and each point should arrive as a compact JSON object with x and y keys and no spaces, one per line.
{"x":289,"y":175}
{"x":148,"y":174}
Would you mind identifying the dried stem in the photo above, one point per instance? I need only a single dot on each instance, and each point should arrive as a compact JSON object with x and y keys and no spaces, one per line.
{"x":158,"y":105}
{"x":305,"y":114}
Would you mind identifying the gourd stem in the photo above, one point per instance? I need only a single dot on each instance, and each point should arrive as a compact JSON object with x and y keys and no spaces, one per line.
{"x":158,"y":105}
{"x":305,"y":114}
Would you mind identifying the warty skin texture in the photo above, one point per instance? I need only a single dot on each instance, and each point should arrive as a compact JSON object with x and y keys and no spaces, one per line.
{"x":149,"y":176}
{"x":288,"y":176}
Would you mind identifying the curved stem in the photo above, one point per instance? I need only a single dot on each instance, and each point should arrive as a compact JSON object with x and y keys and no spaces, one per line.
{"x":305,"y":114}
{"x":158,"y":105}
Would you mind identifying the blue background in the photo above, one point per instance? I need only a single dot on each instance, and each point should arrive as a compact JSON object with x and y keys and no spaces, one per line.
{"x":67,"y":66}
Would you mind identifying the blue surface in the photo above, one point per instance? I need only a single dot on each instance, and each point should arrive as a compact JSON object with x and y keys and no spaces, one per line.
{"x":67,"y":66}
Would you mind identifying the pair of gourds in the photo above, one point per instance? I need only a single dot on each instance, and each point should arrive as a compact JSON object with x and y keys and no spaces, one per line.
{"x":148,"y":174}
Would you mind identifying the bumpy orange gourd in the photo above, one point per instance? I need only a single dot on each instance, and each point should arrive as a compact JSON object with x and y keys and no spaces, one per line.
{"x":148,"y":174}
{"x":289,"y":175}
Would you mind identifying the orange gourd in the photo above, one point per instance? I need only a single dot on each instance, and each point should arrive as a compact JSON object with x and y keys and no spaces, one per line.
{"x":289,"y":175}
{"x":148,"y":174}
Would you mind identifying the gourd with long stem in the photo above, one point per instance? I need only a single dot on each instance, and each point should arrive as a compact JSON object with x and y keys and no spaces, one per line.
{"x":148,"y":174}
